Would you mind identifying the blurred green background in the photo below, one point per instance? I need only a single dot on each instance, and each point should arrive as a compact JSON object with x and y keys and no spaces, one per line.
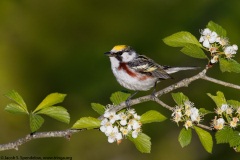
{"x":58,"y":45}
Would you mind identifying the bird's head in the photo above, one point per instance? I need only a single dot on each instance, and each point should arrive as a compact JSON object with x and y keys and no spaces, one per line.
{"x":123,"y":53}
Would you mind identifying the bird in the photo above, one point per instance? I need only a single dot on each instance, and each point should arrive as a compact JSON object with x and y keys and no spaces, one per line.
{"x":138,"y":72}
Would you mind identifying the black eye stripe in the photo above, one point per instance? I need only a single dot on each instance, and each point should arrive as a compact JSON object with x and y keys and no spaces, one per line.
{"x":120,"y":53}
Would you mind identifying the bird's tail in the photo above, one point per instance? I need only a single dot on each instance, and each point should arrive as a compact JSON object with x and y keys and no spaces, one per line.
{"x":171,"y":70}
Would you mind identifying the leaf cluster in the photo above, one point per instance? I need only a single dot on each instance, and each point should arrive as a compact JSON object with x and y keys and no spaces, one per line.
{"x":46,"y":107}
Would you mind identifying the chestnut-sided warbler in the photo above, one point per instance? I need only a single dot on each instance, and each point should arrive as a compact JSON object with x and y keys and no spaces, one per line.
{"x":138,"y":72}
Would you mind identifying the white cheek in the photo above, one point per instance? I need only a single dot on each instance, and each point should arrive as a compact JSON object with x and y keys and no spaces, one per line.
{"x":114,"y":62}
{"x":126,"y":57}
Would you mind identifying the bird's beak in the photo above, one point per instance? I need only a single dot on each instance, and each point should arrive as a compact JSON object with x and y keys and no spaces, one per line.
{"x":110,"y":54}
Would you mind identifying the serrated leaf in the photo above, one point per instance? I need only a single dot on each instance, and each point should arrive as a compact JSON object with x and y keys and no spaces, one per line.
{"x":15,"y":109}
{"x":152,"y":116}
{"x":205,"y":138}
{"x":203,"y":111}
{"x":194,"y":51}
{"x":36,"y":122}
{"x":56,"y":112}
{"x":13,"y":95}
{"x":235,"y":104}
{"x":87,"y":123}
{"x":235,"y":139}
{"x":119,"y":97}
{"x":142,"y":142}
{"x":219,"y":99}
{"x":185,"y":137}
{"x":100,"y":109}
{"x":179,"y":98}
{"x":180,"y":39}
{"x":229,"y":65}
{"x":50,"y":100}
{"x":224,"y":135}
{"x":217,"y":28}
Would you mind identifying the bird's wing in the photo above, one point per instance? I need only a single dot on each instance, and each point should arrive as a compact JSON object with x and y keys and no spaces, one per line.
{"x":147,"y":66}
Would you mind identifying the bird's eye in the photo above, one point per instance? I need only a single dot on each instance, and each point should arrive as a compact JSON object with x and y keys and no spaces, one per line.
{"x":120,"y":52}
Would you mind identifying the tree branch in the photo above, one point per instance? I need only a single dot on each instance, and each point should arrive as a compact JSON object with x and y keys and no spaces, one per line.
{"x":52,"y":134}
{"x":67,"y":133}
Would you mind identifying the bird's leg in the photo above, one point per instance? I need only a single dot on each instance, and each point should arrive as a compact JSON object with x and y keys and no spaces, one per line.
{"x":129,"y":99}
{"x":153,"y":96}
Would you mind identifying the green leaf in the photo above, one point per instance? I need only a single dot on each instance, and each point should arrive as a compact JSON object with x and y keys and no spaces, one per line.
{"x":204,"y":111}
{"x":119,"y":97}
{"x":181,"y":39}
{"x":179,"y":98}
{"x":185,"y":137}
{"x":56,"y":112}
{"x":205,"y":138}
{"x":217,"y":28}
{"x":219,"y":99}
{"x":237,"y":149}
{"x":87,"y":123}
{"x":229,"y":65}
{"x":15,"y":109}
{"x":142,"y":142}
{"x":50,"y":100}
{"x":234,"y":104}
{"x":13,"y":95}
{"x":100,"y":109}
{"x":152,"y":116}
{"x":36,"y":122}
{"x":224,"y":135}
{"x":235,"y":139}
{"x":194,"y":51}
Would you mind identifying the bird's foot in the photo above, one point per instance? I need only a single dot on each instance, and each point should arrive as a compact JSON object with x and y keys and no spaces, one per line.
{"x":128,"y":104}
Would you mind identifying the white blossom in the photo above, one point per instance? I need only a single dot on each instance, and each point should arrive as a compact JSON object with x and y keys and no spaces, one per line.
{"x":229,"y":110}
{"x":222,"y":41}
{"x":224,"y":107}
{"x":234,"y":122}
{"x":230,"y":51}
{"x":177,"y":114}
{"x":112,"y":116}
{"x":119,"y":125}
{"x":188,"y":104}
{"x":123,"y":118}
{"x":135,"y":133}
{"x":218,"y":123}
{"x":194,"y":114}
{"x":114,"y":135}
{"x":133,"y":124}
{"x":208,"y":37}
{"x":106,"y":126}
{"x":188,"y":124}
{"x":214,"y":59}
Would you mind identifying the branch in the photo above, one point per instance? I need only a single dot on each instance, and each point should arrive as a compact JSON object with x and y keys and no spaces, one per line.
{"x":226,"y":84}
{"x":52,"y":134}
{"x":183,"y":83}
{"x":67,"y":133}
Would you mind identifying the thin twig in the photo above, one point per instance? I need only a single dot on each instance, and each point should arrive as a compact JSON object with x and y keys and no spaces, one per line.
{"x":205,"y":127}
{"x":163,"y":104}
{"x":221,"y":82}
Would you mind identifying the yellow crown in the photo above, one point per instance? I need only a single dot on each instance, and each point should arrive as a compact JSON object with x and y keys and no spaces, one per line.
{"x":119,"y":48}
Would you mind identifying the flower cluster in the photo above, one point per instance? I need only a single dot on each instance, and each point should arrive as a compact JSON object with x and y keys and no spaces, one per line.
{"x":217,"y":45}
{"x":186,"y":113}
{"x":116,"y":126}
{"x":226,"y":116}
